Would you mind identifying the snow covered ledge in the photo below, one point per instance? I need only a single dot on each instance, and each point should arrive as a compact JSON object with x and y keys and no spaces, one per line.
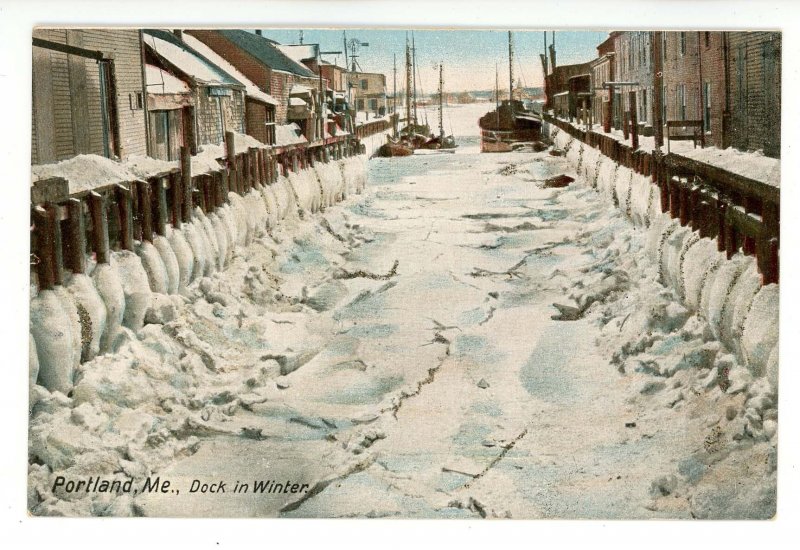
{"x":728,"y":294}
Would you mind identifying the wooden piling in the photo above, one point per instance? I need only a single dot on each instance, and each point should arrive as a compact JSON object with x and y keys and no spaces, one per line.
{"x":97,"y":208}
{"x":145,"y":210}
{"x":45,"y":220}
{"x":76,"y":237}
{"x":159,"y":189}
{"x":230,"y":159}
{"x":123,"y":197}
{"x":176,"y":196}
{"x":634,"y":122}
{"x":186,"y":180}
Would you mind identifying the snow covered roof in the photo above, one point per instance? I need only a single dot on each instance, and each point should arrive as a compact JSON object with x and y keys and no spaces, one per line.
{"x":299,"y":89}
{"x":160,"y":81}
{"x":167,"y":46}
{"x":288,"y":134}
{"x":299,"y":52}
{"x":296,"y":102}
{"x":265,"y":51}
{"x":250,"y":88}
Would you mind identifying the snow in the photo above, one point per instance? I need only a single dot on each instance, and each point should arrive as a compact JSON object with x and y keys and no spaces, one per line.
{"x":402,"y":352}
{"x":251,"y":89}
{"x":160,"y":81}
{"x":85,"y":172}
{"x":288,"y":134}
{"x":750,"y":164}
{"x":184,"y":60}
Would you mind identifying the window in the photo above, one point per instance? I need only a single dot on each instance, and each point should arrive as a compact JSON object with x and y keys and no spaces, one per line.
{"x":683,"y":43}
{"x":681,"y":101}
{"x":708,"y":38}
{"x":364,"y":84}
{"x":707,"y":107}
{"x":373,"y":104}
{"x":360,"y":105}
{"x":664,"y":47}
{"x":136,"y":101}
{"x":664,"y":105}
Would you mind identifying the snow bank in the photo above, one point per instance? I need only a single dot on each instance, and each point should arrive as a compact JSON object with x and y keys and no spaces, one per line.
{"x":726,"y":294}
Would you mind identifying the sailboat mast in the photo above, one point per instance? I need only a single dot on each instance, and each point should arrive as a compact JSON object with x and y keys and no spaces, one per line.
{"x":414,"y":75}
{"x":497,"y":93}
{"x":441,"y":100}
{"x":394,"y":94}
{"x":510,"y":72}
{"x":408,"y":87}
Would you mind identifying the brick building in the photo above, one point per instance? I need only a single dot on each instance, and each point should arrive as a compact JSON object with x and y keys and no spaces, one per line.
{"x":88,"y":94}
{"x":634,"y":64}
{"x":260,"y":60}
{"x":218,"y":98}
{"x":259,"y":106}
{"x":558,"y":80}
{"x":754,"y":99}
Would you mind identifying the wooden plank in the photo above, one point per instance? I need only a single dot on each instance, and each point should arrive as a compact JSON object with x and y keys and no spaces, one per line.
{"x":97,"y":208}
{"x":76,"y":237}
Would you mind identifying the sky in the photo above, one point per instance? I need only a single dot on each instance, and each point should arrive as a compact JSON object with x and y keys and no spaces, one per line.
{"x":469,"y":56}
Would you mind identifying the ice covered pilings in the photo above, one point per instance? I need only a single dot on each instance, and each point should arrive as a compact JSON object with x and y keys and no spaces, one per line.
{"x":726,"y":292}
{"x":84,"y":309}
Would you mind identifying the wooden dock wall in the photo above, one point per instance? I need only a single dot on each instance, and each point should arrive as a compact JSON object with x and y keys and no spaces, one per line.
{"x":65,"y":228}
{"x":742,"y":214}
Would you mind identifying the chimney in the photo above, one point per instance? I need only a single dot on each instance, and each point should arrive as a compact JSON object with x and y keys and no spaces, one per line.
{"x":258,"y":32}
{"x":178,"y":33}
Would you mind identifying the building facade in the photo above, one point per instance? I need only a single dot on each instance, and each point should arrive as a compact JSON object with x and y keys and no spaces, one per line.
{"x":88,"y":94}
{"x":368,"y":92}
{"x":634,"y":67}
{"x":218,"y":98}
{"x":754,"y":100}
{"x":276,"y":74}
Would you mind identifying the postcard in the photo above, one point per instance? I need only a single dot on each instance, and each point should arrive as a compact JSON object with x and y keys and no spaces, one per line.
{"x":404,"y":273}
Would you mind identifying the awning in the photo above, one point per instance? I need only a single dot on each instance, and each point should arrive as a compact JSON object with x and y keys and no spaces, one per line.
{"x":297,"y":102}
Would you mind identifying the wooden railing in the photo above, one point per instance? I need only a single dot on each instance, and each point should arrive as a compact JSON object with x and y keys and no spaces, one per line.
{"x":65,"y":227}
{"x":742,"y":214}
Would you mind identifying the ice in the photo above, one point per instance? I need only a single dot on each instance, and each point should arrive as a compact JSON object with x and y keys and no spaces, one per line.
{"x":51,"y":329}
{"x":93,"y":321}
{"x":184,"y":256}
{"x":154,"y":267}
{"x":135,"y":287}
{"x":170,"y":261}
